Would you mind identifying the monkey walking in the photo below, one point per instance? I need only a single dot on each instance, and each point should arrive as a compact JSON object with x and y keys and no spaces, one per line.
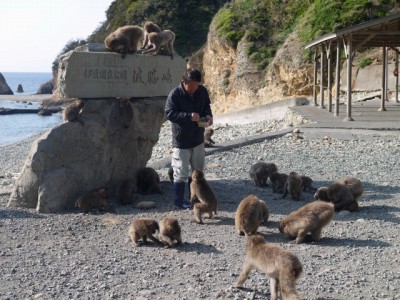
{"x":94,"y":199}
{"x":282,"y":266}
{"x":310,"y":218}
{"x":208,"y":141}
{"x":124,"y":40}
{"x":143,"y":228}
{"x":165,"y":39}
{"x":293,"y":186}
{"x":199,"y":189}
{"x":261,"y":171}
{"x":148,"y":28}
{"x":250,"y":213}
{"x":170,"y":230}
{"x":73,"y":110}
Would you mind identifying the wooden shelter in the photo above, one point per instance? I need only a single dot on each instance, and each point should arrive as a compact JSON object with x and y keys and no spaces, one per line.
{"x":383,"y":32}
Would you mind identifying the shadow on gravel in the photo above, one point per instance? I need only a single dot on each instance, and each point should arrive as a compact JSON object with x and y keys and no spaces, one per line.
{"x":348,"y":242}
{"x":19,"y":214}
{"x":198,"y":248}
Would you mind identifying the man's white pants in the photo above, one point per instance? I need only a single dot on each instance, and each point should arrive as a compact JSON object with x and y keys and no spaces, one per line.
{"x":182,"y":158}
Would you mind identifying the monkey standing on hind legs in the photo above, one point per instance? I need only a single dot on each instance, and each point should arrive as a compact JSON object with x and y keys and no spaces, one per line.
{"x":199,"y":189}
{"x":282,"y":266}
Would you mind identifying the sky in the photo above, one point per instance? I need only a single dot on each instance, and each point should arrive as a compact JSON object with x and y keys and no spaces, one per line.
{"x":33,"y":32}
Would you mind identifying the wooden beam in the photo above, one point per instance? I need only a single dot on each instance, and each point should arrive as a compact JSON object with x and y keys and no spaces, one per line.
{"x":337,"y":79}
{"x":349,"y":75}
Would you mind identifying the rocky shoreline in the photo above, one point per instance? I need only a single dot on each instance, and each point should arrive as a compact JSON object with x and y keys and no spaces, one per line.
{"x":76,"y":256}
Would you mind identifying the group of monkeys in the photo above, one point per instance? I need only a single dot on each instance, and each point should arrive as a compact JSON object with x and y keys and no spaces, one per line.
{"x":126,"y":39}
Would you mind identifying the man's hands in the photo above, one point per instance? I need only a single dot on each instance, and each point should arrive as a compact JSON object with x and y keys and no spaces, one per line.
{"x":195,"y":117}
{"x":209,"y":120}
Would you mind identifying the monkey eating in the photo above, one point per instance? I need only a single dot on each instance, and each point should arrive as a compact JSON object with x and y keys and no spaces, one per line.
{"x":261,"y":171}
{"x":282,"y":266}
{"x":199,"y":189}
{"x":293,"y":186}
{"x":165,"y":39}
{"x":170,"y":230}
{"x":143,"y":228}
{"x":310,"y":218}
{"x":124,"y":40}
{"x":278,"y":182}
{"x":250,"y":213}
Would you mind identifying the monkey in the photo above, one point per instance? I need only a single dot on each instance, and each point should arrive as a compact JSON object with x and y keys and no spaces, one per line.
{"x":250,"y":213}
{"x":208,"y":141}
{"x":310,"y":218}
{"x":72,"y":111}
{"x":124,"y":40}
{"x":293,"y":186}
{"x":96,"y":198}
{"x":199,"y":189}
{"x":125,"y":112}
{"x":148,"y":181}
{"x":171,"y":174}
{"x":143,"y":228}
{"x":278,"y":182}
{"x":124,"y":192}
{"x":306,"y":184}
{"x":342,"y":197}
{"x":261,"y":171}
{"x":321,"y":194}
{"x":148,"y":28}
{"x":170,"y":230}
{"x":282,"y":266}
{"x":165,"y":38}
{"x":355,"y":185}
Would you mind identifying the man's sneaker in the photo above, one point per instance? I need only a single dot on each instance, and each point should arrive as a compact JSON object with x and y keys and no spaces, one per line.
{"x":186,"y":205}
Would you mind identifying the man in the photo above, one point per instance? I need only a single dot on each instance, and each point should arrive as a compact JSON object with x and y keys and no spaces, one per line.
{"x":186,"y":104}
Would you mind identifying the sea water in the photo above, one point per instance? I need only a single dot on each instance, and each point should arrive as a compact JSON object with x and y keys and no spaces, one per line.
{"x":16,"y":127}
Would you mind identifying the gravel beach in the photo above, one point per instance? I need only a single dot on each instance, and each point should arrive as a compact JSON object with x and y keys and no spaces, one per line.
{"x":77,"y":256}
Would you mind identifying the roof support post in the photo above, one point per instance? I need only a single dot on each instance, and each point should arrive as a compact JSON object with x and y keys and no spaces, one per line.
{"x":322,"y":77}
{"x":315,"y":78}
{"x":349,"y":57}
{"x":337,"y":79}
{"x":383,"y":92}
{"x":329,"y":55}
{"x":396,"y":88}
{"x":386,"y":75}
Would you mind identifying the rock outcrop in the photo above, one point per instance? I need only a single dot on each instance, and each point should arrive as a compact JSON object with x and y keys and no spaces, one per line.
{"x":46,"y":88}
{"x":72,"y":159}
{"x":20,"y":89}
{"x":4,"y":88}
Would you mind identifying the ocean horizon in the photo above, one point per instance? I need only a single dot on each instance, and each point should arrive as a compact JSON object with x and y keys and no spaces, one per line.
{"x":30,"y":81}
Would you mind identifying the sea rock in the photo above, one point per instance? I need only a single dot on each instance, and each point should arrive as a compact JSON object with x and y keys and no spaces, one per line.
{"x":46,"y":88}
{"x":20,"y":89}
{"x":72,"y":158}
{"x":4,"y":88}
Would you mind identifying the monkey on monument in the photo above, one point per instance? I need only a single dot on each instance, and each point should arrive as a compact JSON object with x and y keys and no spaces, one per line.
{"x":143,"y":228}
{"x":94,"y":199}
{"x":124,"y":40}
{"x":208,"y":141}
{"x":293,"y":186}
{"x":170,"y":230}
{"x":282,"y":267}
{"x":250,"y":214}
{"x":199,"y":189}
{"x":310,"y":218}
{"x":73,"y":110}
{"x":261,"y":171}
{"x":148,"y":28}
{"x":165,"y":39}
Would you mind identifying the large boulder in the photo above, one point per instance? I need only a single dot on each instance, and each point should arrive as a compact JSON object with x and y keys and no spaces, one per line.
{"x":4,"y":88}
{"x":46,"y":88}
{"x":72,"y":158}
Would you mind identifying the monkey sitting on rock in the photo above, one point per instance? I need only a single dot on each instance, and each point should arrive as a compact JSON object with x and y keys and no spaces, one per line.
{"x":124,"y":40}
{"x":164,"y":39}
{"x":282,"y":266}
{"x":310,"y":218}
{"x":148,"y":28}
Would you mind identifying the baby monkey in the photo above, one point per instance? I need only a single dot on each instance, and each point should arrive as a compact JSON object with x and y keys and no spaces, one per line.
{"x":143,"y":228}
{"x":170,"y":230}
{"x":208,"y":141}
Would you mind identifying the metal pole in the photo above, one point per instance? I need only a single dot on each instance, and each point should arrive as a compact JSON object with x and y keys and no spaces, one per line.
{"x":386,"y":75}
{"x":337,"y":79}
{"x":315,"y":78}
{"x":382,"y":108}
{"x":349,"y":79}
{"x":322,"y":77}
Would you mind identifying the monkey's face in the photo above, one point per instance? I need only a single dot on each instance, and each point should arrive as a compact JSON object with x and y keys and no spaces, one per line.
{"x":321,"y":194}
{"x":197,"y":175}
{"x":282,"y":226}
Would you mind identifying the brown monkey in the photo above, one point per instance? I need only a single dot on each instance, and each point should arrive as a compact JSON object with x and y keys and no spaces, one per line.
{"x":125,"y":112}
{"x":261,"y":171}
{"x":321,"y":194}
{"x":170,"y":230}
{"x":72,"y":111}
{"x":293,"y":186}
{"x":199,"y":189}
{"x":342,"y":197}
{"x":250,"y":213}
{"x":143,"y":228}
{"x":148,"y":28}
{"x":310,"y":218}
{"x":355,"y":185}
{"x":124,"y":40}
{"x":165,"y":38}
{"x":94,"y":199}
{"x":125,"y":191}
{"x":148,"y":181}
{"x":278,"y":182}
{"x":282,"y":266}
{"x":306,"y":184}
{"x":208,"y":141}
